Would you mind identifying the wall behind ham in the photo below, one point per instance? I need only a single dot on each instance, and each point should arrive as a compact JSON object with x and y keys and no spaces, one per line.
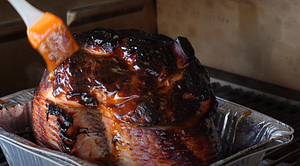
{"x":256,"y":39}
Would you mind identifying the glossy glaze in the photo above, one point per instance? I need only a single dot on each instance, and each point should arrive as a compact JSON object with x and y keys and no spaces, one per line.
{"x":148,"y":79}
{"x":149,"y":93}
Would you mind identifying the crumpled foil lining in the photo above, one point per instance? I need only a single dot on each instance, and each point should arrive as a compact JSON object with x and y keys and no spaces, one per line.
{"x":245,"y":134}
{"x":15,"y":114}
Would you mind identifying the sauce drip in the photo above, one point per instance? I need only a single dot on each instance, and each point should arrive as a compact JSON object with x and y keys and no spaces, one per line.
{"x":245,"y":114}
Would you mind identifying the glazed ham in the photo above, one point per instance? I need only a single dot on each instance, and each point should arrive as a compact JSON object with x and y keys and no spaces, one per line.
{"x":128,"y":98}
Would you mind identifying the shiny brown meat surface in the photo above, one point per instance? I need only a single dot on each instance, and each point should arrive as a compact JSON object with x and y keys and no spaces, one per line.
{"x":128,"y":98}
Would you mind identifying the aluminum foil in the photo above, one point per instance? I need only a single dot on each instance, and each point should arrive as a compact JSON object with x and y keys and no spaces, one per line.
{"x":245,"y":134}
{"x":15,"y":114}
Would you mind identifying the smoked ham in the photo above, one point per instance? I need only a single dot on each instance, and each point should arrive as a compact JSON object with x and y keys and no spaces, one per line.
{"x":128,"y":98}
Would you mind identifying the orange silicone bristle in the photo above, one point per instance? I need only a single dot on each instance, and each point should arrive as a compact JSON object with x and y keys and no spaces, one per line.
{"x":51,"y":37}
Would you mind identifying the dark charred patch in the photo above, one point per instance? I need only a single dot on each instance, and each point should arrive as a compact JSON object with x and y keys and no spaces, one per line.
{"x":84,"y":98}
{"x":108,"y":39}
{"x":64,"y":122}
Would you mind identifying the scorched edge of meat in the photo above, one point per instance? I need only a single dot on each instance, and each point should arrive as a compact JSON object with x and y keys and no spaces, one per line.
{"x":128,"y":98}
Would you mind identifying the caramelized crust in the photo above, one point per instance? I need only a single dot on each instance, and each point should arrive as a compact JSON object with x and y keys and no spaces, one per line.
{"x":147,"y":79}
{"x":130,"y":98}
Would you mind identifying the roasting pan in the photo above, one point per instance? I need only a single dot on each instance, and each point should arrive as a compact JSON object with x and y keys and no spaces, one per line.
{"x":245,"y":134}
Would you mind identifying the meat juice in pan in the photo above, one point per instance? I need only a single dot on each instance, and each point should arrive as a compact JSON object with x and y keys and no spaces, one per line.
{"x":128,"y":98}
